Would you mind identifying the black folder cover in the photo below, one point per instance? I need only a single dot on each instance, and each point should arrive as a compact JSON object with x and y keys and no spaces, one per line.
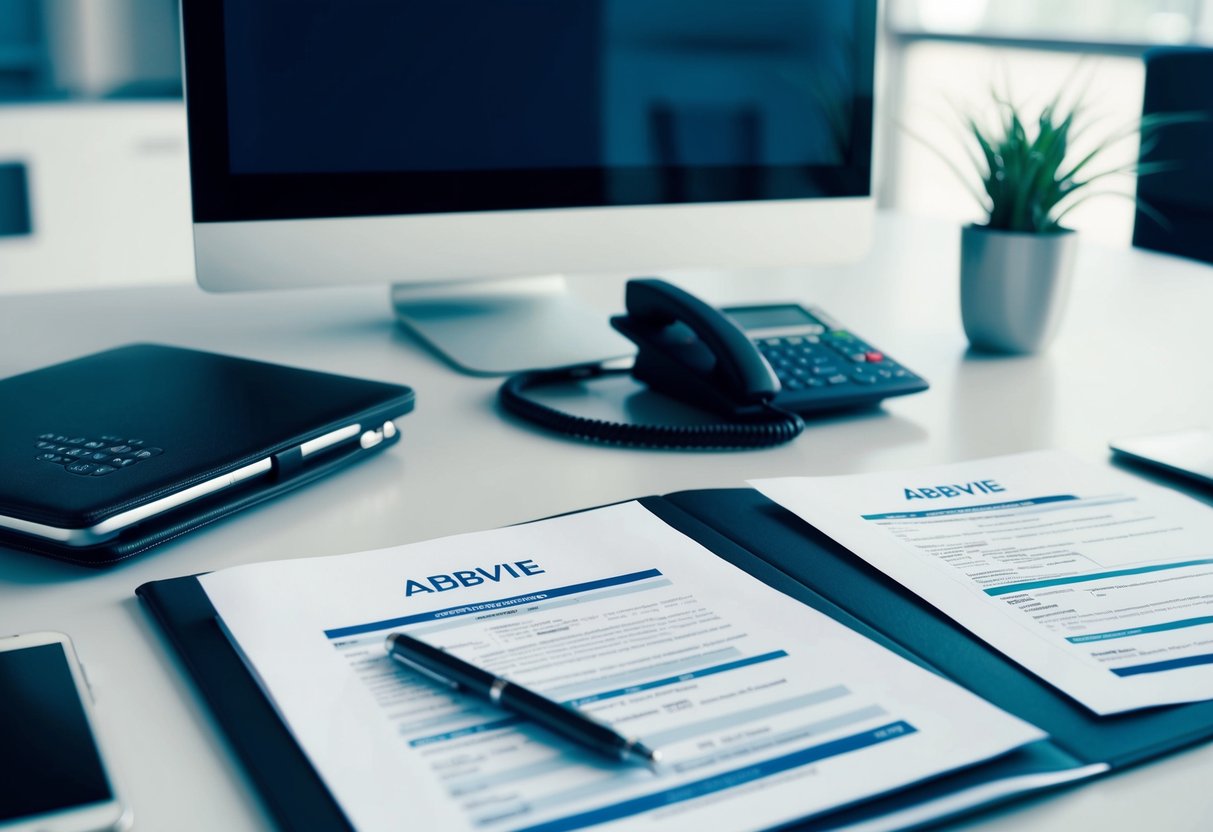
{"x":749,"y":531}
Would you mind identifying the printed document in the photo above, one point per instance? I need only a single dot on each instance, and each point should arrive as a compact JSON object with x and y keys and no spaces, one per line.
{"x":1096,"y":581}
{"x":763,"y":709}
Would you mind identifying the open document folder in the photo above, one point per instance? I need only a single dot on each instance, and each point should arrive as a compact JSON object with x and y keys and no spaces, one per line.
{"x":764,"y":710}
{"x":1096,"y":581}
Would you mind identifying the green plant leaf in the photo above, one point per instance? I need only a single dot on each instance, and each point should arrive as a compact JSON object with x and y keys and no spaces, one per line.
{"x":1138,"y":168}
{"x":1088,"y":196}
{"x":1023,"y":173}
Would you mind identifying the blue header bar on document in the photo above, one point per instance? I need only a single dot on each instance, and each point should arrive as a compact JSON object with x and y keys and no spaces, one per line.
{"x":490,"y":606}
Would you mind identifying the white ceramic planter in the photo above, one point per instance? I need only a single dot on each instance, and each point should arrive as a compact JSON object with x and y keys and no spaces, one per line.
{"x":1014,"y":287}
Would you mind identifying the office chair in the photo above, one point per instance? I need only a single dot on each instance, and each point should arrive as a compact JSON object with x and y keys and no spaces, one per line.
{"x":1178,"y":80}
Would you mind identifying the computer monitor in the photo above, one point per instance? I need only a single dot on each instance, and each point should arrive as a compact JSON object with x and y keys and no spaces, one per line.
{"x":440,"y":146}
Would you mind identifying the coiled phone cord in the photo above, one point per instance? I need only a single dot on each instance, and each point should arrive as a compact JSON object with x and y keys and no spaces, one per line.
{"x":781,"y":426}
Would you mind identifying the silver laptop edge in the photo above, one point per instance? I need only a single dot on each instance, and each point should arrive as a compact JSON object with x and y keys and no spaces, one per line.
{"x":111,"y":526}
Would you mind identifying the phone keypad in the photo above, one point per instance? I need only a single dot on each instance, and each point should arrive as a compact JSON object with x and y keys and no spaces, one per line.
{"x":93,"y":456}
{"x":829,"y":360}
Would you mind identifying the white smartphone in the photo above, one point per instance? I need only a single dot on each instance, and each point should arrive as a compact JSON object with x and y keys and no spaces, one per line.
{"x":1188,"y":453}
{"x":54,"y":774}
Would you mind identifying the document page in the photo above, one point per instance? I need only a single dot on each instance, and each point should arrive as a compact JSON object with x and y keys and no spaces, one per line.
{"x":763,"y":710}
{"x":1096,"y":581}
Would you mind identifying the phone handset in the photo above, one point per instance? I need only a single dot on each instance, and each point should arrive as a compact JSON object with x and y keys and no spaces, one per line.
{"x":692,"y":352}
{"x":687,"y":350}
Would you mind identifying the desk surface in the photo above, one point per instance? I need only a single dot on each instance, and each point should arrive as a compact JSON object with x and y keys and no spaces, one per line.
{"x":1130,"y":359}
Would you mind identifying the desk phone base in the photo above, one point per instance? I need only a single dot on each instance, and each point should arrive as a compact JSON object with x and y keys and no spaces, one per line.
{"x":821,"y":365}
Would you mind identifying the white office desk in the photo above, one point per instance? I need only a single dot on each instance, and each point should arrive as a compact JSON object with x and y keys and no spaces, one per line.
{"x":1133,"y":356}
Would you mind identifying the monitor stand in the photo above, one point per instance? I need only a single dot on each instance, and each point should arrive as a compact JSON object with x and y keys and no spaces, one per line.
{"x":496,"y":327}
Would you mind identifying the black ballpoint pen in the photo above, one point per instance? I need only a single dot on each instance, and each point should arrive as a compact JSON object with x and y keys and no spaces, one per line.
{"x":568,"y":722}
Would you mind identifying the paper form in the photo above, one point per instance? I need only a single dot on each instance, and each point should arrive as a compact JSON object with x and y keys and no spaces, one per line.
{"x":763,"y":709}
{"x":1096,"y":581}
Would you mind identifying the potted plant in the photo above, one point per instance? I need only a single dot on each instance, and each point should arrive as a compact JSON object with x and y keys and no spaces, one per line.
{"x":1016,"y":268}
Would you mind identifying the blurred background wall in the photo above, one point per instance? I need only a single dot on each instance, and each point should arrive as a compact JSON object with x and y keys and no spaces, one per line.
{"x":94,"y":184}
{"x":946,"y":56}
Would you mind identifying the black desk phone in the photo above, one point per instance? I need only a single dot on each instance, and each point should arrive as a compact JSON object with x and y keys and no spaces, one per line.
{"x":760,"y":366}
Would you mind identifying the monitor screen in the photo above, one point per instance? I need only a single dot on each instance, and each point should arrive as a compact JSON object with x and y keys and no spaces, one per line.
{"x":319,"y":108}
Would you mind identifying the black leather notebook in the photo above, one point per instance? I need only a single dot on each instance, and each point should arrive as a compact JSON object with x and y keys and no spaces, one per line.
{"x":110,"y":454}
{"x":749,"y":531}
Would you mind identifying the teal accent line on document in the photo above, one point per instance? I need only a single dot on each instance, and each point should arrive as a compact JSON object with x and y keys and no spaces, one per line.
{"x":1167,"y":664}
{"x":728,"y":754}
{"x":642,"y":674}
{"x":726,"y":780}
{"x":657,"y":739}
{"x":1137,"y":631}
{"x":1077,"y":579}
{"x":673,"y":680}
{"x":813,"y":698}
{"x":940,"y":512}
{"x":496,"y":725}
